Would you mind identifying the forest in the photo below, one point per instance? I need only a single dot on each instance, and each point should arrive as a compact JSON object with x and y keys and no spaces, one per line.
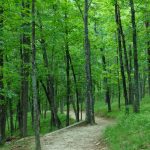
{"x":75,"y":74}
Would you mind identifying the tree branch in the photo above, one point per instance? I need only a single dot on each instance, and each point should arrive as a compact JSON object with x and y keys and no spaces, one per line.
{"x":81,"y":12}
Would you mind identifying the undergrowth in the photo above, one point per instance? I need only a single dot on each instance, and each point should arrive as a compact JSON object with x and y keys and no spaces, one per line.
{"x":131,"y":132}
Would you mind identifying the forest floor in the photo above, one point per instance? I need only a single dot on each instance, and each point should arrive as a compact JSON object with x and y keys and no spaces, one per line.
{"x":82,"y":137}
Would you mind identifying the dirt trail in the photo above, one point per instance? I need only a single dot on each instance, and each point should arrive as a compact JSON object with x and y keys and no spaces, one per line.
{"x":78,"y":138}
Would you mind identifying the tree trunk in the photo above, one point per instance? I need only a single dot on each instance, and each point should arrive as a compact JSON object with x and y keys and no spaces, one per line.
{"x":89,"y":94}
{"x":2,"y":99}
{"x":147,"y":24}
{"x":119,"y":88}
{"x":34,"y":82}
{"x":49,"y":89}
{"x":107,"y":88}
{"x":67,"y":71}
{"x":131,"y":69}
{"x":121,"y":59}
{"x":11,"y":117}
{"x":76,"y":88}
{"x":136,"y":104}
{"x":125,"y":56}
{"x":25,"y":52}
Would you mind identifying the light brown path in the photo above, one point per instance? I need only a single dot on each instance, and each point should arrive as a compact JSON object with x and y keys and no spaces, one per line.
{"x":77,"y":138}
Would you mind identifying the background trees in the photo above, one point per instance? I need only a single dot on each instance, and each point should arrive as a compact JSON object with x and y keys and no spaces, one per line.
{"x":2,"y":98}
{"x":70,"y":35}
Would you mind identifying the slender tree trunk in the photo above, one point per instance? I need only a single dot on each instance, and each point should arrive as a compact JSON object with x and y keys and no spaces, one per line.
{"x":11,"y":117}
{"x":107,"y":88}
{"x":89,"y":94}
{"x":2,"y":99}
{"x":49,"y":90}
{"x":131,"y":69}
{"x":68,"y":86}
{"x":70,"y":64}
{"x":76,"y":88}
{"x":34,"y":82}
{"x":67,"y":70}
{"x":119,"y":88}
{"x":125,"y":56}
{"x":25,"y":49}
{"x":38,"y":96}
{"x":121,"y":58}
{"x":136,"y":104}
{"x":147,"y":24}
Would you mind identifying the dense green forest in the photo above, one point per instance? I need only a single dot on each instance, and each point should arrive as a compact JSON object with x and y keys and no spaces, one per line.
{"x":59,"y":57}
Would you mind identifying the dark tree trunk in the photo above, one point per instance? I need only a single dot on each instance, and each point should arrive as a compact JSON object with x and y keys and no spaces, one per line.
{"x":136,"y":104}
{"x":107,"y":88}
{"x":49,"y":89}
{"x":121,"y":58}
{"x":25,"y":56}
{"x":131,"y":69}
{"x":67,"y":71}
{"x":125,"y":56}
{"x":11,"y":117}
{"x":68,"y":85}
{"x":2,"y":99}
{"x":70,"y":64}
{"x":38,"y":96}
{"x":89,"y":94}
{"x":119,"y":88}
{"x":147,"y":24}
{"x":34,"y":82}
{"x":76,"y":88}
{"x":144,"y":83}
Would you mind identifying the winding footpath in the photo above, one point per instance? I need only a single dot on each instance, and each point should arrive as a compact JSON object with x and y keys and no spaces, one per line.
{"x":80,"y":137}
{"x":77,"y":138}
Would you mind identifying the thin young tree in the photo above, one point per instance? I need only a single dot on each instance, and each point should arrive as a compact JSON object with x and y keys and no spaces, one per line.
{"x":125,"y":56}
{"x":25,"y":58}
{"x":34,"y":83}
{"x":67,"y":70}
{"x":89,"y":93}
{"x":49,"y":88}
{"x":136,"y":103}
{"x":106,"y":83}
{"x":147,"y":25}
{"x":121,"y":58}
{"x":2,"y":99}
{"x":90,"y":118}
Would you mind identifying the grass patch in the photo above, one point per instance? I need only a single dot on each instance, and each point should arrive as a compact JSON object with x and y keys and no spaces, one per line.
{"x":132,"y":132}
{"x":101,"y":109}
{"x":45,"y":126}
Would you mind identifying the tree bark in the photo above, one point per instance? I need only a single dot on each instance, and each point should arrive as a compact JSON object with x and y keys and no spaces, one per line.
{"x":34,"y":82}
{"x":89,"y":94}
{"x":136,"y":104}
{"x":121,"y":58}
{"x":2,"y":99}
{"x":147,"y":24}
{"x":131,"y":69}
{"x":125,"y":56}
{"x":11,"y":117}
{"x":76,"y":88}
{"x":119,"y":88}
{"x":25,"y":57}
{"x":107,"y":88}
{"x":49,"y":88}
{"x":67,"y":71}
